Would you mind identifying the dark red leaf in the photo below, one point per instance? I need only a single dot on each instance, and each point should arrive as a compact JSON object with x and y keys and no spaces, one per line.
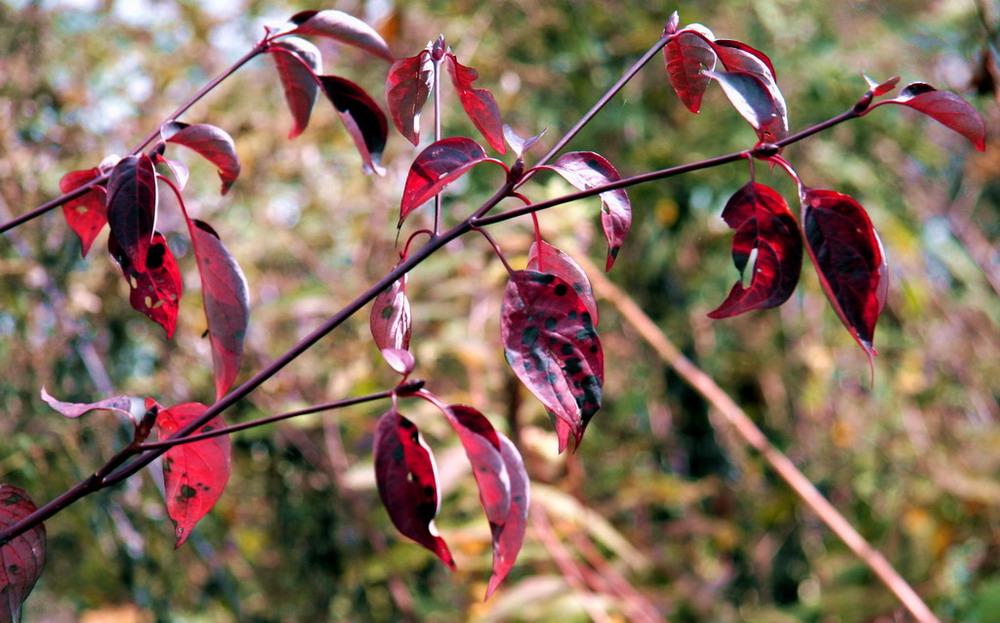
{"x":585,"y":169}
{"x":687,"y":55}
{"x":87,"y":214}
{"x":22,"y":559}
{"x":509,"y":535}
{"x":342,"y":27}
{"x":944,"y":107}
{"x":849,"y":259}
{"x":227,"y":304}
{"x":755,"y":102}
{"x":364,"y":120}
{"x":194,"y":474}
{"x":479,"y":104}
{"x":738,"y":56}
{"x":390,"y":320}
{"x":118,"y":404}
{"x":407,"y":482}
{"x":299,"y":62}
{"x":132,"y":200}
{"x":482,"y":447}
{"x":406,"y":90}
{"x":210,"y":142}
{"x":551,"y":344}
{"x":764,"y":226}
{"x":155,"y":291}
{"x":545,"y":258}
{"x":438,"y":165}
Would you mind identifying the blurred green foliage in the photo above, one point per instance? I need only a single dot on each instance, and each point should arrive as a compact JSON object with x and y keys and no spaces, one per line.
{"x":660,"y":508}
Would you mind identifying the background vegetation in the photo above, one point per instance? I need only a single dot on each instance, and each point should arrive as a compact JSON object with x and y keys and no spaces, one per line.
{"x":659,"y":511}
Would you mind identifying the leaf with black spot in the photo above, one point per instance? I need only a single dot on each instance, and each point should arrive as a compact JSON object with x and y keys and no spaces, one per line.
{"x":22,"y":559}
{"x":156,"y":290}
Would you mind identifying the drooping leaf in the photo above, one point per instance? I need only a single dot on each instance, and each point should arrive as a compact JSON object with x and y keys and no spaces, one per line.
{"x":342,"y":27}
{"x":299,"y":62}
{"x":156,"y":290}
{"x":755,"y":103}
{"x":479,"y":104}
{"x":364,"y":120}
{"x":738,"y":56}
{"x":849,"y":259}
{"x":545,"y":258}
{"x":132,"y":201}
{"x":438,"y":165}
{"x":211,"y":143}
{"x":764,"y":226}
{"x":402,"y":361}
{"x":520,"y":145}
{"x":585,"y":169}
{"x":944,"y":107}
{"x":482,"y":447}
{"x":227,"y":303}
{"x":86,"y":215}
{"x":118,"y":404}
{"x":687,"y":55}
{"x":194,"y":474}
{"x":22,"y":559}
{"x":406,"y":90}
{"x":407,"y":481}
{"x":390,"y":320}
{"x":551,"y":344}
{"x":509,"y":535}
{"x":177,"y":169}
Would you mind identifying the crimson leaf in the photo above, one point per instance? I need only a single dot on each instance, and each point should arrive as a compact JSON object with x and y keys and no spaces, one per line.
{"x":585,"y":169}
{"x":687,"y":55}
{"x":117,"y":404}
{"x":406,"y":90}
{"x":438,"y":165}
{"x":227,"y":304}
{"x":156,"y":290}
{"x":210,"y":142}
{"x":482,"y":447}
{"x":342,"y":27}
{"x":754,"y":101}
{"x":22,"y":559}
{"x":849,"y":259}
{"x":390,"y":320}
{"x":298,"y":62}
{"x":738,"y":56}
{"x":364,"y":120}
{"x":479,"y":104}
{"x":509,"y":534}
{"x":764,"y":226}
{"x":545,"y":258}
{"x":407,"y":481}
{"x":132,"y":200}
{"x":551,"y":344}
{"x":194,"y":474}
{"x":86,"y":215}
{"x":944,"y":107}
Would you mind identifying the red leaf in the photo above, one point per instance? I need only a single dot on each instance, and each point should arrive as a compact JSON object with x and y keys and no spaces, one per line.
{"x":585,"y":169}
{"x":944,"y":107}
{"x":298,"y":62}
{"x":22,"y":559}
{"x":117,"y":404}
{"x":227,"y":304}
{"x":406,"y":90}
{"x":407,"y":482}
{"x":438,"y":165}
{"x":479,"y":104}
{"x":763,"y":225}
{"x":210,"y":142}
{"x":738,"y":56}
{"x":390,"y":320}
{"x":400,"y":360}
{"x":509,"y":534}
{"x":87,"y":214}
{"x":194,"y":474}
{"x":364,"y":120}
{"x":545,"y":258}
{"x":176,"y":168}
{"x":687,"y":55}
{"x":482,"y":447}
{"x":342,"y":27}
{"x":155,"y":291}
{"x":551,"y":344}
{"x":132,"y":201}
{"x":754,"y":100}
{"x":849,"y":259}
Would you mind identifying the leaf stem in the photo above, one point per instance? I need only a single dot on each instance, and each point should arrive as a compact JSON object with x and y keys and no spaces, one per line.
{"x":496,"y":247}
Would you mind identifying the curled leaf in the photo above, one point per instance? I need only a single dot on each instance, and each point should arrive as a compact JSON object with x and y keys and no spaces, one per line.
{"x":944,"y":107}
{"x":118,"y":404}
{"x":86,"y":215}
{"x":755,"y":102}
{"x":210,"y":142}
{"x":22,"y":559}
{"x":520,"y":145}
{"x":177,"y":169}
{"x":406,"y":90}
{"x":342,"y":27}
{"x":390,"y":320}
{"x":364,"y":120}
{"x":687,"y":55}
{"x":508,"y":535}
{"x":299,"y":62}
{"x":132,"y":201}
{"x":738,"y":56}
{"x":479,"y":104}
{"x":400,"y":360}
{"x":156,"y":289}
